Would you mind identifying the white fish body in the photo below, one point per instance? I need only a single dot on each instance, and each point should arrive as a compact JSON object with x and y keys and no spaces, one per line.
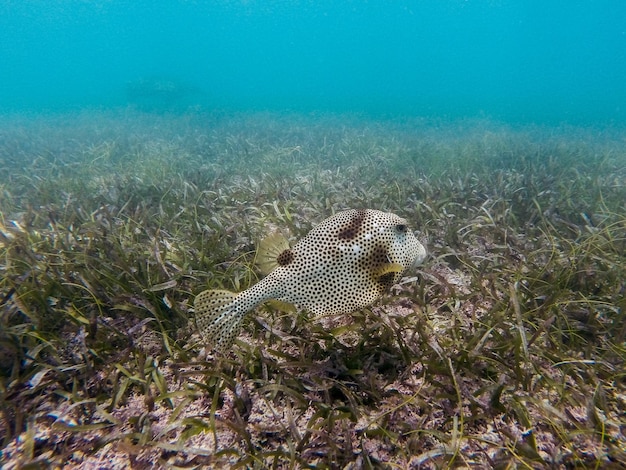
{"x":344,"y":264}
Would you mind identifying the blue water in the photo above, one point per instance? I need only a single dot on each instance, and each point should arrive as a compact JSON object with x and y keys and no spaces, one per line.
{"x":516,"y":61}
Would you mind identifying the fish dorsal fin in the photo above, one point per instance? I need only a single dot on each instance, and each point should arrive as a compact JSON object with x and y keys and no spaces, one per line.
{"x":269,"y":250}
{"x":389,"y":268}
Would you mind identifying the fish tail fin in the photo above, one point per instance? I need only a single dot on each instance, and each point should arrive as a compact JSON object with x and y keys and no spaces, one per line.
{"x":217,"y":317}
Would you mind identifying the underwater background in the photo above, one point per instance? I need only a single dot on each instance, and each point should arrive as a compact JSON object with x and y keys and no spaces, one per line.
{"x":146,"y":148}
{"x":530,"y":61}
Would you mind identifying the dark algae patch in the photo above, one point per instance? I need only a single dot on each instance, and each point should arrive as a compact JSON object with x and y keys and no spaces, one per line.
{"x":506,"y":349}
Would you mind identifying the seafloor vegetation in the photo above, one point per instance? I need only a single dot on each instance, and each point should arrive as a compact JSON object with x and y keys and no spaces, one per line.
{"x":506,"y":350}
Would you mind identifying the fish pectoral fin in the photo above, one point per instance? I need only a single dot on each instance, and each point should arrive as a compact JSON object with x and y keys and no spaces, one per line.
{"x":389,"y":268}
{"x":216,"y":317}
{"x":268,"y":251}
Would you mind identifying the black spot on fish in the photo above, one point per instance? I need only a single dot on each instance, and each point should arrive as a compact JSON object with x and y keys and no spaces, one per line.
{"x":285,"y":258}
{"x":353,"y":227}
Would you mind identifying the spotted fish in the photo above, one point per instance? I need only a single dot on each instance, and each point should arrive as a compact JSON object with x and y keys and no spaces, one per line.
{"x":344,"y":264}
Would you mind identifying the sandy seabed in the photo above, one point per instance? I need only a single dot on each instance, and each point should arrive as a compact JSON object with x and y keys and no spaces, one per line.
{"x":506,"y":349}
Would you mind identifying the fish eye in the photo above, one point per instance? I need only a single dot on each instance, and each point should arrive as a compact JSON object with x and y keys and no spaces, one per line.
{"x":401,"y":228}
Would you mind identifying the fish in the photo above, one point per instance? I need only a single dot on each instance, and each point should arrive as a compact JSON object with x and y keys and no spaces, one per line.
{"x":342,"y":265}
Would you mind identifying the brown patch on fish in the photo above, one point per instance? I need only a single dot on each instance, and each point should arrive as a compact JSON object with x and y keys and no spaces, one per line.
{"x":285,"y":258}
{"x":379,"y":257}
{"x":354,"y":226}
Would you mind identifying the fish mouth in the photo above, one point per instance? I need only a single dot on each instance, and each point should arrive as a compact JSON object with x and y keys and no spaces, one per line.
{"x":421,"y":256}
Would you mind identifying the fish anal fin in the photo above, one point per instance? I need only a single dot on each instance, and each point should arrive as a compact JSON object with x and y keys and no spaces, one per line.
{"x":282,"y":306}
{"x":269,"y":250}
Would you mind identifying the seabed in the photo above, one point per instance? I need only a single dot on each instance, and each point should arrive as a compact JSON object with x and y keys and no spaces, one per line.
{"x":506,"y":349}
